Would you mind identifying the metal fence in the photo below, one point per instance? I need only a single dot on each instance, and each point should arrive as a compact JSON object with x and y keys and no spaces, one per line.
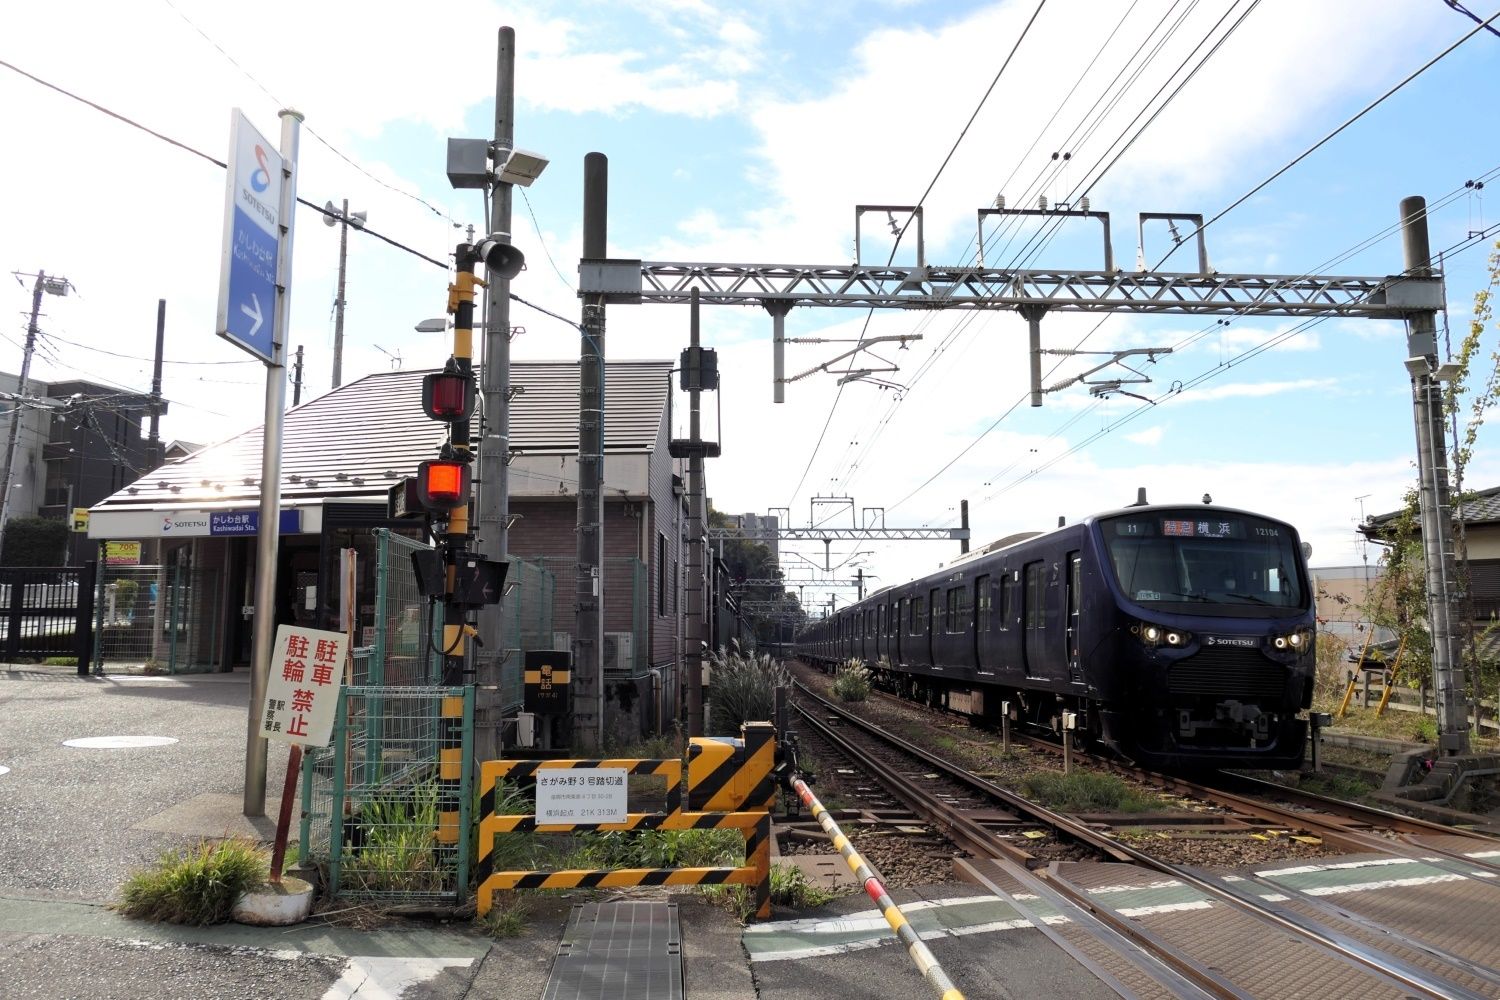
{"x":160,"y":618}
{"x":405,"y":629}
{"x":627,"y":609}
{"x":525,"y":623}
{"x":376,"y":801}
{"x":45,"y":611}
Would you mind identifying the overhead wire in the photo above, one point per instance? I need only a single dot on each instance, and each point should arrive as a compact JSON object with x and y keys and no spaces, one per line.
{"x":930,"y":185}
{"x":1088,"y":122}
{"x":1239,"y":201}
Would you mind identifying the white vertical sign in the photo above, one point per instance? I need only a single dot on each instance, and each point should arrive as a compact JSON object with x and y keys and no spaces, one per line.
{"x":302,"y":692}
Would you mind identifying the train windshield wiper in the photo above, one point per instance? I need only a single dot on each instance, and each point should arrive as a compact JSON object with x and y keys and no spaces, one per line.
{"x":1248,"y":599}
{"x":1187,"y":597}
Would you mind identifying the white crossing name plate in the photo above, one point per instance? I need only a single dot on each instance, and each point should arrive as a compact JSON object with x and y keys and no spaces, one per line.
{"x":580,"y":795}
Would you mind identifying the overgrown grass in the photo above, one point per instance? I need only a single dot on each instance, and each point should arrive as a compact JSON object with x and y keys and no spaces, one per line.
{"x":507,"y":917}
{"x":196,"y":885}
{"x":1085,"y":791}
{"x":790,"y":887}
{"x":852,"y":682}
{"x":1336,"y":785}
{"x":396,"y":845}
{"x":61,"y":661}
{"x":742,"y":689}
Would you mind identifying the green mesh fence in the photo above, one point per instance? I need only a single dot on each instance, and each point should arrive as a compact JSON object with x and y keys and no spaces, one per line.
{"x":627,"y":606}
{"x":525,"y":623}
{"x":374,"y":802}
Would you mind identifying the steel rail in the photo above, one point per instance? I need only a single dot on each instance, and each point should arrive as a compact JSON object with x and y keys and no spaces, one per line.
{"x":969,"y":835}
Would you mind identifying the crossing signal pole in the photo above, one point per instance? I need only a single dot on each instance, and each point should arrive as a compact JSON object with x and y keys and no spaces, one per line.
{"x":444,"y":485}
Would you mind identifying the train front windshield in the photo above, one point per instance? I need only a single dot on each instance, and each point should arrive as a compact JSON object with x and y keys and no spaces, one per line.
{"x":1190,"y":560}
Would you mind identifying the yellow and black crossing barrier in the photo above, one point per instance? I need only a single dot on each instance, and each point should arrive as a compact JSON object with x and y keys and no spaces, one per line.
{"x":728,"y":791}
{"x":450,"y":769}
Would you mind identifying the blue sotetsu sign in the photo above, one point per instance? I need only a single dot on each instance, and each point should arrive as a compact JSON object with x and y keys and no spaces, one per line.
{"x":247,"y":522}
{"x":247,"y":275}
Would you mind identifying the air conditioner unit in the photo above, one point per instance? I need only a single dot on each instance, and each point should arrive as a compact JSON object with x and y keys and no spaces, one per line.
{"x":525,"y":730}
{"x":618,"y":650}
{"x":562,"y":641}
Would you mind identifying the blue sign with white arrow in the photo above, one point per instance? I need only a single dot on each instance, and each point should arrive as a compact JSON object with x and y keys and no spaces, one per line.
{"x":252,"y":204}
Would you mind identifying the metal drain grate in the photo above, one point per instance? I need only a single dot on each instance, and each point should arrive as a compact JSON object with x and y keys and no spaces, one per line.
{"x":624,"y":951}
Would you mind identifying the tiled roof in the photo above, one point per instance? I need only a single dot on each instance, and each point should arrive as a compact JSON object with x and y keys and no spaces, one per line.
{"x":1482,"y":507}
{"x":357,"y":440}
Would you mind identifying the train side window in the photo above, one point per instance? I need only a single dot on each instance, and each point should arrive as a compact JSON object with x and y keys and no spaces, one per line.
{"x":1032,"y":601}
{"x":918,"y":614}
{"x":1007,"y":601}
{"x":950,"y":618}
{"x":982,"y":603}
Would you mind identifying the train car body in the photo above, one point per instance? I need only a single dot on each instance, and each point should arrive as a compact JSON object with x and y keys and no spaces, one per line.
{"x":1181,"y":636}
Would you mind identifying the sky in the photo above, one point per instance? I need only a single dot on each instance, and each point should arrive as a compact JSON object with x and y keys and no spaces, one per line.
{"x":748,"y":133}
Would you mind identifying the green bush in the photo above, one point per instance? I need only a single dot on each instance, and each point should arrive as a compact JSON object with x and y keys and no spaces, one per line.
{"x":34,"y":541}
{"x":125,"y":593}
{"x":742,"y":689}
{"x":61,"y":661}
{"x":198,"y":885}
{"x":852,"y":682}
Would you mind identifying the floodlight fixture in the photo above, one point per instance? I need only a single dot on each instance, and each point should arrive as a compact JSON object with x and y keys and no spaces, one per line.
{"x":438,"y":324}
{"x":522,"y":167}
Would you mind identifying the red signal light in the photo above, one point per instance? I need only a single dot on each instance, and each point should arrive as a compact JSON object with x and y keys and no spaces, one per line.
{"x":443,"y":484}
{"x":448,"y":395}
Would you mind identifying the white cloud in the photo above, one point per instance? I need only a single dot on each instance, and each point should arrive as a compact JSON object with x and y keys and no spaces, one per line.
{"x":1149,"y":436}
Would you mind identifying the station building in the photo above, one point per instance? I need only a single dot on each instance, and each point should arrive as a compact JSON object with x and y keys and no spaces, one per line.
{"x":343,"y":451}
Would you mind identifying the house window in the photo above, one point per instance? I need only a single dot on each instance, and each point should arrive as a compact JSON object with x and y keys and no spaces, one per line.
{"x":661,"y":575}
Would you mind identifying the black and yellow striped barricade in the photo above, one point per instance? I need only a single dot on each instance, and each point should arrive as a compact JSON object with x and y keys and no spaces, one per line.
{"x":756,"y":826}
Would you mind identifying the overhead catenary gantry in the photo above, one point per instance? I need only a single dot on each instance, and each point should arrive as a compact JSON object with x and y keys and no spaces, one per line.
{"x":1032,"y":292}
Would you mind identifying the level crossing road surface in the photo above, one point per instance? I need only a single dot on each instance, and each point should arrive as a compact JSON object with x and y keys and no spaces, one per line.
{"x":75,"y":820}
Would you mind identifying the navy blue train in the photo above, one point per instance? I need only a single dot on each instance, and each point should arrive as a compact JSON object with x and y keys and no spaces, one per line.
{"x":1180,"y":636}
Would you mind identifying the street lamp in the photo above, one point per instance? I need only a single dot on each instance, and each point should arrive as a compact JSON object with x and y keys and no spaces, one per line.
{"x":342,"y":218}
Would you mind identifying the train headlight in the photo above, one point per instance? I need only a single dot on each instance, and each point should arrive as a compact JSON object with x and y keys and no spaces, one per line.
{"x":1156,"y":635}
{"x":1298,"y":641}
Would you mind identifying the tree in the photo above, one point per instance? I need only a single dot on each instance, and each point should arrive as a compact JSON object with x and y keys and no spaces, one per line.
{"x":748,"y":559}
{"x":34,"y":541}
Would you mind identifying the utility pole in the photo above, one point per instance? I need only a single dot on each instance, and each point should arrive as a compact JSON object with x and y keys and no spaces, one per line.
{"x":343,"y":220}
{"x":153,"y":438}
{"x":1432,"y":467}
{"x":492,"y":491}
{"x":54,"y":286}
{"x":297,"y":379}
{"x":588,"y":697}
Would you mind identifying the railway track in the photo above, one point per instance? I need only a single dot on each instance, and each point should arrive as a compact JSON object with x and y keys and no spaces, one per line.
{"x":976,"y":815}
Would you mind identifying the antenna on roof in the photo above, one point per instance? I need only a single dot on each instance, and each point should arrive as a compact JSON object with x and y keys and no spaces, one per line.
{"x":1140,"y":498}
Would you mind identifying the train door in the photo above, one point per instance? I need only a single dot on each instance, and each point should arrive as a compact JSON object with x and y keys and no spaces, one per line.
{"x":934,"y":621}
{"x":1075,"y":601}
{"x":1033,"y":594}
{"x":916,"y":626}
{"x":897,"y":620}
{"x":984,"y":621}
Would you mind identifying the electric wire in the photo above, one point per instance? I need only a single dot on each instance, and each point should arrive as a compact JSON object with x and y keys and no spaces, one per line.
{"x":902,"y":232}
{"x":1239,"y":201}
{"x":310,"y":131}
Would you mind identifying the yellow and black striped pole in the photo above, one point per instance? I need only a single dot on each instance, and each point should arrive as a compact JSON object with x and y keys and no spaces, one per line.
{"x":924,"y":959}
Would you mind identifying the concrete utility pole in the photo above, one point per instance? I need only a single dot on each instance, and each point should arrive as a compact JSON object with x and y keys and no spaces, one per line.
{"x":153,"y":438}
{"x":492,"y":491}
{"x":343,"y":220}
{"x":588,"y":681}
{"x":21,"y":387}
{"x":1436,"y":504}
{"x":297,"y":379}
